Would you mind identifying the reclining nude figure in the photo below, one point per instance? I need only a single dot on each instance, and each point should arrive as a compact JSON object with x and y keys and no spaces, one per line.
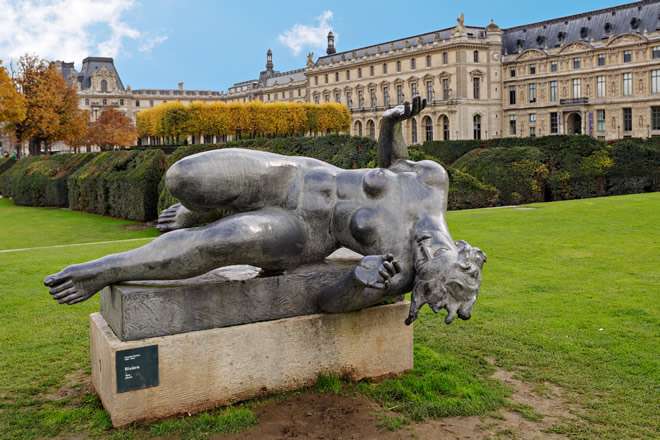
{"x":290,"y":211}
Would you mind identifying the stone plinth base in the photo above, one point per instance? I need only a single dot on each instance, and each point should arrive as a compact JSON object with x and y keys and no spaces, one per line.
{"x":202,"y":369}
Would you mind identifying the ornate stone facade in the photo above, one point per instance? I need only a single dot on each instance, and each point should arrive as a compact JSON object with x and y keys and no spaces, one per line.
{"x":596,"y":73}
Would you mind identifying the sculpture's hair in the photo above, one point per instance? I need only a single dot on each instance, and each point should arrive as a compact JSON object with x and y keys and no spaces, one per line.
{"x":434,"y":282}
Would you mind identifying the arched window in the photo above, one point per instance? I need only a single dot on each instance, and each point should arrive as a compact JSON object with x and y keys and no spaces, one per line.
{"x":413,"y":130}
{"x":475,"y":55}
{"x":104,"y":85}
{"x":444,"y":123}
{"x":428,"y":128}
{"x":358,"y":128}
{"x":371,"y":129}
{"x":476,"y":126}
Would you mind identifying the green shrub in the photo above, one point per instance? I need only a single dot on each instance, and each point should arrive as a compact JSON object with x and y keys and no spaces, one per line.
{"x":466,"y":191}
{"x":636,"y":167}
{"x":119,"y":183}
{"x":518,"y":173}
{"x":42,"y":180}
{"x":5,"y":164}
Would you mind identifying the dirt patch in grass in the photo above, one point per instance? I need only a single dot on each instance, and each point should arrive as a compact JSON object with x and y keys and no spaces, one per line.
{"x":532,"y":413}
{"x":139,"y":226}
{"x":76,"y":385}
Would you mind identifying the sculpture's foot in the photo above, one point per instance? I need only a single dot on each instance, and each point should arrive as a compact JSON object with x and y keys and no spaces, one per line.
{"x":175,"y":217}
{"x":73,"y":285}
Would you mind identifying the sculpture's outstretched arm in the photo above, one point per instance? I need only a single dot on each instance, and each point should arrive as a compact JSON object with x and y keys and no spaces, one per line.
{"x":375,"y":279}
{"x":391,"y":145}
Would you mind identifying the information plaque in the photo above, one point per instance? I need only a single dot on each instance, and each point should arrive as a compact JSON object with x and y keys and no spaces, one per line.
{"x":137,"y":368}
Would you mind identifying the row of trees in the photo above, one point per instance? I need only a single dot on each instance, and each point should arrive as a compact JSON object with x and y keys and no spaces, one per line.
{"x":175,"y":120}
{"x":39,"y":107}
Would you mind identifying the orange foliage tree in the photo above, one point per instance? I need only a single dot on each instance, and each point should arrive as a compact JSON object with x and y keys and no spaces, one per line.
{"x":111,"y":129}
{"x":12,"y":104}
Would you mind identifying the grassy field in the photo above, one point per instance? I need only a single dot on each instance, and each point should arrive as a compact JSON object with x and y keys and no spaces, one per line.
{"x":571,"y":296}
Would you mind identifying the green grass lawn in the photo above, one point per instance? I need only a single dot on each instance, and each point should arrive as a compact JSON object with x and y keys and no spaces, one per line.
{"x":571,"y":295}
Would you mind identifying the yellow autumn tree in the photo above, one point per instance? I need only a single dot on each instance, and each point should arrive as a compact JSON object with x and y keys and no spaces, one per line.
{"x":12,"y":104}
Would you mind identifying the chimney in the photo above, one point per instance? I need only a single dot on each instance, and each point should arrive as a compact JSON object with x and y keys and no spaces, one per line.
{"x":180,"y":85}
{"x":331,"y":44}
{"x":269,"y":60}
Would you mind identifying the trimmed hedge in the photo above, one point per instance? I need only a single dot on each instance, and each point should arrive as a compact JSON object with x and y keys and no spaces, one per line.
{"x":466,"y":191}
{"x":6,"y":163}
{"x":42,"y":180}
{"x":636,"y":167}
{"x":518,"y":172}
{"x":120,"y":184}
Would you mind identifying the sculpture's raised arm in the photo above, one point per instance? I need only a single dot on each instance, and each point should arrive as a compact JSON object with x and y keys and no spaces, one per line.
{"x":391,"y":145}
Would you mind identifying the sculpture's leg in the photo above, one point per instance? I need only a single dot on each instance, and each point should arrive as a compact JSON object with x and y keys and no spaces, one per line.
{"x":271,"y":238}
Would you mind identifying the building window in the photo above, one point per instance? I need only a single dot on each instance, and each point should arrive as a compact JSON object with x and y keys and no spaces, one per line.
{"x":512,"y":125}
{"x":429,"y":91}
{"x":428,"y":60}
{"x":655,"y":52}
{"x":532,"y":131}
{"x":386,"y":96}
{"x":577,"y":62}
{"x":413,"y":130}
{"x":398,"y":66}
{"x":512,"y":73}
{"x":413,"y":89}
{"x":445,"y":57}
{"x":104,"y":85}
{"x":326,"y":78}
{"x":348,"y":75}
{"x":627,"y":84}
{"x":360,"y":99}
{"x":358,"y":128}
{"x":151,"y":103}
{"x":475,"y":56}
{"x":445,"y":89}
{"x":337,"y":97}
{"x":317,"y":98}
{"x":532,"y":92}
{"x":359,"y":72}
{"x":298,"y":92}
{"x":554,"y":123}
{"x":553,"y":91}
{"x":268,"y":96}
{"x":121,"y":102}
{"x":600,"y":120}
{"x":371,"y":129}
{"x":372,"y":98}
{"x":655,"y":81}
{"x":384,"y":68}
{"x":532,"y":69}
{"x":137,"y":102}
{"x":336,"y":76}
{"x":512,"y":95}
{"x":577,"y":88}
{"x":349,"y":99}
{"x":86,"y":101}
{"x":476,"y":86}
{"x":655,"y":118}
{"x":316,"y":80}
{"x":105,"y":101}
{"x":445,"y":127}
{"x":399,"y":94}
{"x":601,"y":60}
{"x":326,"y":97}
{"x":476,"y":127}
{"x":413,"y":63}
{"x":428,"y":129}
{"x":532,"y":118}
{"x":627,"y":119}
{"x":371,"y":70}
{"x":627,"y":56}
{"x":600,"y":86}
{"x":553,"y":66}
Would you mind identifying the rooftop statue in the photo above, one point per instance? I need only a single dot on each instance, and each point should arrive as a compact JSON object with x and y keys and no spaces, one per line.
{"x":291,"y":211}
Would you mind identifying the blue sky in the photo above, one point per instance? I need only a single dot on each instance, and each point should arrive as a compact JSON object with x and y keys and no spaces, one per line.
{"x":211,"y":44}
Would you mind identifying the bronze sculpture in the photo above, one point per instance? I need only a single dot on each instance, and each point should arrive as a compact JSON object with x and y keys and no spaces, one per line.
{"x":290,"y":211}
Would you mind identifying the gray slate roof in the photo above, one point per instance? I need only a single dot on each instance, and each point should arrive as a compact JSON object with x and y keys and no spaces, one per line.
{"x":635,"y":17}
{"x":286,"y":77}
{"x":91,"y":65}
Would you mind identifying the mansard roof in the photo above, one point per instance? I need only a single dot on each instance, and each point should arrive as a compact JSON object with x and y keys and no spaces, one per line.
{"x":414,"y":41}
{"x":638,"y":17}
{"x":91,"y":65}
{"x":283,"y":78}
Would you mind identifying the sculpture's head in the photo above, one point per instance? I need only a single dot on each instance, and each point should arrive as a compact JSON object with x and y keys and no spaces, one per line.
{"x":447,"y":276}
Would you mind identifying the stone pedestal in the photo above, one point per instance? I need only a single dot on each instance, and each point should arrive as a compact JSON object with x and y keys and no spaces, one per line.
{"x":188,"y":372}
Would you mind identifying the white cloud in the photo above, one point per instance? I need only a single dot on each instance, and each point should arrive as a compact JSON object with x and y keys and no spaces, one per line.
{"x":67,"y":30}
{"x":151,"y":42}
{"x":303,"y":36}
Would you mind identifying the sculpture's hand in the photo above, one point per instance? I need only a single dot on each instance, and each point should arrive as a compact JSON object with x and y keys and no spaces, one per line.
{"x":405,"y":110}
{"x":377,"y":271}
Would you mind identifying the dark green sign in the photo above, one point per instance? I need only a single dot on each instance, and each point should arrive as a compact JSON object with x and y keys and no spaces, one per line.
{"x":137,"y":368}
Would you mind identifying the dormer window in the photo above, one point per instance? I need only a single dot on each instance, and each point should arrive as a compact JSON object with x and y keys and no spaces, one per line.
{"x":609,"y":27}
{"x":520,"y":43}
{"x":540,"y":40}
{"x":104,"y":85}
{"x":634,"y":22}
{"x":584,"y":32}
{"x":561,"y":36}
